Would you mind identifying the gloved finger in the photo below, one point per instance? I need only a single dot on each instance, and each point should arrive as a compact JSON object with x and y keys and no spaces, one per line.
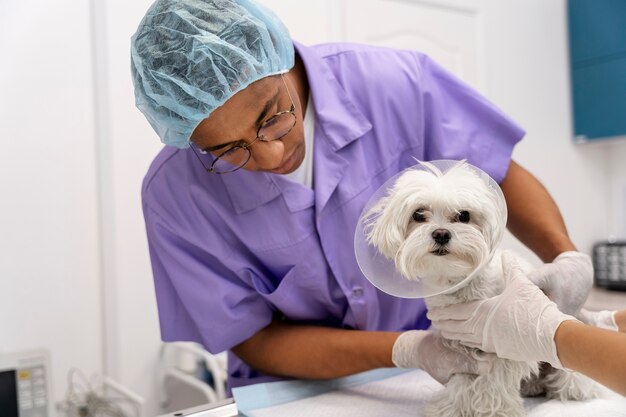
{"x":508,"y":260}
{"x":586,"y":316}
{"x":518,"y":282}
{"x":583,"y":257}
{"x":456,"y":326}
{"x":484,"y":366}
{"x":468,"y":339}
{"x":404,"y":352}
{"x":604,"y":319}
{"x":464,"y":311}
{"x":510,"y":267}
{"x":451,"y":362}
{"x":578,"y":265}
{"x":541,"y":276}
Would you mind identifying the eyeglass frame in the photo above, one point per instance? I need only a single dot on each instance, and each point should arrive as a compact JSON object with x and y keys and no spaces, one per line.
{"x":247,"y":146}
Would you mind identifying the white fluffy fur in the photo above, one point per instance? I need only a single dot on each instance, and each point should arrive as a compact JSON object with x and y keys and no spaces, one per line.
{"x":410,"y":244}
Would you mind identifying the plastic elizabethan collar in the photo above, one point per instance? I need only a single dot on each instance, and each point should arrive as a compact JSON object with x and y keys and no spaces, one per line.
{"x":381,"y":271}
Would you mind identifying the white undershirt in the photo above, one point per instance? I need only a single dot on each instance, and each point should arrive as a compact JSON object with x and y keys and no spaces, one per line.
{"x":304,"y":173}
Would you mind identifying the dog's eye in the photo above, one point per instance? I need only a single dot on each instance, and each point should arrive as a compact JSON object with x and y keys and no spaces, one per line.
{"x":463,"y":216}
{"x":418,"y":216}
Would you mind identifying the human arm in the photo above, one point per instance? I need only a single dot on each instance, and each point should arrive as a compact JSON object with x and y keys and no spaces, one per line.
{"x":535,"y":220}
{"x":201,"y":298}
{"x":604,"y":319}
{"x":595,"y":352}
{"x":315,"y":352}
{"x":534,"y":217}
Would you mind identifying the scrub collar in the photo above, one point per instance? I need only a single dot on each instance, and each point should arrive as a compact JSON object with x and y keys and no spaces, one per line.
{"x":336,"y":115}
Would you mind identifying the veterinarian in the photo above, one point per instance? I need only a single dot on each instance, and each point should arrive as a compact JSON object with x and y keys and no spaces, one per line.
{"x":523,"y":324}
{"x":273,"y":148}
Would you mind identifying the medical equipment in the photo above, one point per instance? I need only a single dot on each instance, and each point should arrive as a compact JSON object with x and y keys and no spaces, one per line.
{"x":209,"y":379}
{"x":99,"y":396}
{"x":25,"y":388}
{"x":380,"y":270}
{"x":609,"y":264}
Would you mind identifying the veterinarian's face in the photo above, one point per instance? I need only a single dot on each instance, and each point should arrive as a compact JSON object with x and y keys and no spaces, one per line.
{"x":253,"y":122}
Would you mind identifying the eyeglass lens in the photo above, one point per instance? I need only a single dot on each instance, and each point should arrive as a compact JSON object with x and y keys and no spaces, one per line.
{"x":231,"y":160}
{"x":275,"y":128}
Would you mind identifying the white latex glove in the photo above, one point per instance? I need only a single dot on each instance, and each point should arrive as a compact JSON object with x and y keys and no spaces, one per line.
{"x":518,"y":324}
{"x":567,"y":280}
{"x":425,"y":350}
{"x":603,"y":319}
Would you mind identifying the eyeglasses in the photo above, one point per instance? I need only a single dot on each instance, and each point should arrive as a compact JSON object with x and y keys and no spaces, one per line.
{"x":274,"y":128}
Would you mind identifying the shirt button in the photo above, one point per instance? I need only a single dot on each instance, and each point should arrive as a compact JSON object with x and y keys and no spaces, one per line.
{"x":357,"y":292}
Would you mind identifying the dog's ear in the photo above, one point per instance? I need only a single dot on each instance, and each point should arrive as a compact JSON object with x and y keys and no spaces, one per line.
{"x":384,"y":227}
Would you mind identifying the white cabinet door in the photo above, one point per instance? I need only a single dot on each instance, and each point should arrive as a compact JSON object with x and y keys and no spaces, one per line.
{"x":448,"y":31}
{"x":515,"y":53}
{"x":309,"y":21}
{"x":49,"y":257}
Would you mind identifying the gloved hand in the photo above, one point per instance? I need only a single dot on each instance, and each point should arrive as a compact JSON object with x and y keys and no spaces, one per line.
{"x":518,"y":324}
{"x":603,"y":319}
{"x":426,"y":350}
{"x":567,"y":280}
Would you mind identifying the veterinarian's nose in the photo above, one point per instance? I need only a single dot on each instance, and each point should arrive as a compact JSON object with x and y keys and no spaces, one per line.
{"x":442,"y":236}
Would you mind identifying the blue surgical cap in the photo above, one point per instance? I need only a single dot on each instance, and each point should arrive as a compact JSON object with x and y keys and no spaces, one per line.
{"x":189,"y":56}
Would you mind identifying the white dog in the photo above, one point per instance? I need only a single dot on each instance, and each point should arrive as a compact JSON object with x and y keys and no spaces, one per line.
{"x":443,"y":227}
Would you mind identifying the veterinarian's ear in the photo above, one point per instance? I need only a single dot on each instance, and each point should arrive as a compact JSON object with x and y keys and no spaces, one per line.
{"x":384,"y":228}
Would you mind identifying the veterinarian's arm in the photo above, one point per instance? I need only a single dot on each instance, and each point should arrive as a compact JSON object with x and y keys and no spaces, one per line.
{"x":597,"y":353}
{"x":314,"y":352}
{"x":534,"y":217}
{"x":536,"y":221}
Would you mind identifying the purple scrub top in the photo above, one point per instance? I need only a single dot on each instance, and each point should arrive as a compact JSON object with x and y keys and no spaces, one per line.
{"x":230,"y":252}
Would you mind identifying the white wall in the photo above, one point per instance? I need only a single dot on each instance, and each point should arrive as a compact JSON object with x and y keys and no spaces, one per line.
{"x":127,"y":144}
{"x":73,"y":252}
{"x":616,"y":204}
{"x":49,"y":263}
{"x":530,"y":81}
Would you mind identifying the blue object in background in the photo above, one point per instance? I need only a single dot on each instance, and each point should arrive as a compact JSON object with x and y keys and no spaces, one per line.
{"x":597,"y":38}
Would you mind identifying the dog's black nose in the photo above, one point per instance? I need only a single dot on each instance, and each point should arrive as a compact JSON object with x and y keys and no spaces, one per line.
{"x":442,"y":236}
